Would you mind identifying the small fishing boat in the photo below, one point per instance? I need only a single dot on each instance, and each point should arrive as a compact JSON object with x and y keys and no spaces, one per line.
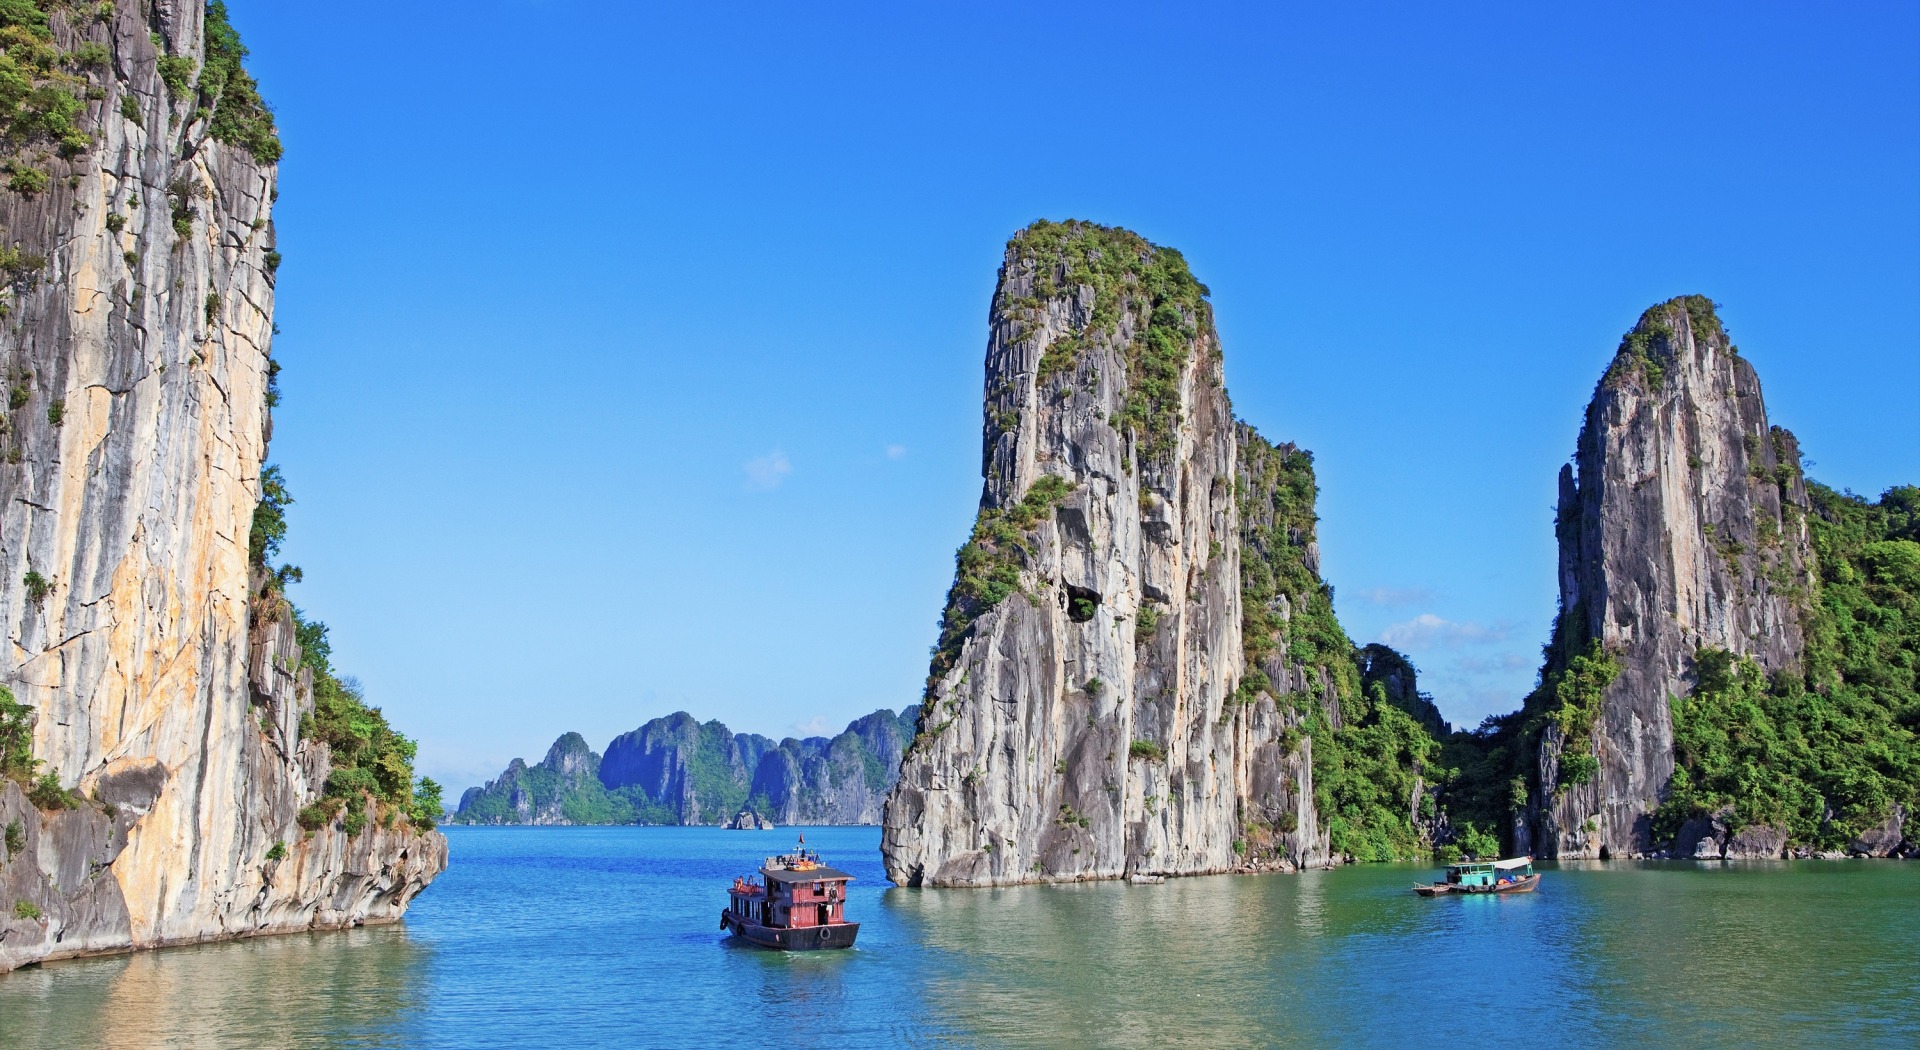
{"x":1484,"y":876}
{"x":797,"y":904}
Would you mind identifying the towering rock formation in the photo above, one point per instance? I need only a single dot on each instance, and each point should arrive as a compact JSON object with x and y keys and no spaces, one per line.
{"x":139,"y":294}
{"x":1682,"y":526}
{"x":1092,"y":709}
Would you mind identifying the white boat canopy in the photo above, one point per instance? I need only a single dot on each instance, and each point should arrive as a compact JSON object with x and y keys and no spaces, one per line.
{"x":1517,"y":862}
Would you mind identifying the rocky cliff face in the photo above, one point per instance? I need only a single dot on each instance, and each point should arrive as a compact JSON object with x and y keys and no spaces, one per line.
{"x":139,"y":301}
{"x":1125,"y":664}
{"x":1682,"y":526}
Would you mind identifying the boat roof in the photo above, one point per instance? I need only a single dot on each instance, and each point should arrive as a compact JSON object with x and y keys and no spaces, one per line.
{"x":808,"y":875}
{"x":1500,"y":865}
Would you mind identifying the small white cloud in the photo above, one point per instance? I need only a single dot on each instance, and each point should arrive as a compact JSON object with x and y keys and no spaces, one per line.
{"x":815,"y":726}
{"x":1396,"y":596}
{"x":765,"y":473}
{"x":896,"y":451}
{"x":1428,"y":629}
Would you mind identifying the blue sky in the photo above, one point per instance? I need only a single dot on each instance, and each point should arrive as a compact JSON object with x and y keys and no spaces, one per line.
{"x":633,"y":354}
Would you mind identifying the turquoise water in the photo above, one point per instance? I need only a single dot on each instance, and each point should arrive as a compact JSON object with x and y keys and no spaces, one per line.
{"x":596,"y":937}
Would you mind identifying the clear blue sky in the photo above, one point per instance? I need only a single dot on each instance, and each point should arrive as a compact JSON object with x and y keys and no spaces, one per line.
{"x":633,"y":354}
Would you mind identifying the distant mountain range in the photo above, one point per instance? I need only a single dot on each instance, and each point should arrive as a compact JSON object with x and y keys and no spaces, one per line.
{"x":677,"y":770}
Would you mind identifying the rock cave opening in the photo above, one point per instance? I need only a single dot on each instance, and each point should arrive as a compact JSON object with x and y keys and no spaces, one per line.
{"x":1081,"y":603}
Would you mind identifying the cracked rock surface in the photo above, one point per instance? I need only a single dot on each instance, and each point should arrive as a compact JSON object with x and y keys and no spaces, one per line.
{"x":1091,"y":724}
{"x":136,"y":358}
{"x":1682,"y":525}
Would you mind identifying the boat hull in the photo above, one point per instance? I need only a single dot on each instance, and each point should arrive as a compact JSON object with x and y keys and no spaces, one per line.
{"x":794,"y":939}
{"x":1442,"y":889}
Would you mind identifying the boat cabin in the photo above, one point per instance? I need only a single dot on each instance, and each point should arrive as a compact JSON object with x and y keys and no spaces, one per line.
{"x":795,"y":891}
{"x":1488,"y":874}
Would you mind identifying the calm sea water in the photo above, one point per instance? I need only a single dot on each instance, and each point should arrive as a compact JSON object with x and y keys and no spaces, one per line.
{"x":591,"y":937}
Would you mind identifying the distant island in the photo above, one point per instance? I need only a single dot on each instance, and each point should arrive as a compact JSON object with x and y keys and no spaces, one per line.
{"x":678,"y":770}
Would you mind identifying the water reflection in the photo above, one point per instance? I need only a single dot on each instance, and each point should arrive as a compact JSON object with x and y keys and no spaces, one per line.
{"x":605,"y":937}
{"x":354,"y":988}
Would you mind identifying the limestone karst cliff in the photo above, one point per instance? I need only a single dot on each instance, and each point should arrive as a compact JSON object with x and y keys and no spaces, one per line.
{"x":678,"y":770}
{"x":1732,"y":671}
{"x":148,"y":647}
{"x":1681,"y":527}
{"x":1138,"y":659}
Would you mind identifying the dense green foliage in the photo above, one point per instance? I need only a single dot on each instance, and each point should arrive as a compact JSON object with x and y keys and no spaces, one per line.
{"x":16,"y":738}
{"x":1481,"y":776}
{"x":1641,"y":355}
{"x":42,"y":97}
{"x":240,"y":115}
{"x":1569,"y":698}
{"x":18,"y":764}
{"x":1363,"y":778}
{"x":1128,"y":275}
{"x":987,"y":567}
{"x":269,"y":517}
{"x":371,"y":775}
{"x":1828,"y":753}
{"x":1364,"y":771}
{"x":39,"y":100}
{"x":1276,"y":491}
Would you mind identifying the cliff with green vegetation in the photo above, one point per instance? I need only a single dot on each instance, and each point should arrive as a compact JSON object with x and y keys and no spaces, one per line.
{"x":1138,"y":670}
{"x":677,"y":770}
{"x":1732,"y":671}
{"x":179,"y":760}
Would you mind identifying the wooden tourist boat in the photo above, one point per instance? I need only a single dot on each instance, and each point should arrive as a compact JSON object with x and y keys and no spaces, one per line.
{"x":797,"y":904}
{"x":1485,"y":876}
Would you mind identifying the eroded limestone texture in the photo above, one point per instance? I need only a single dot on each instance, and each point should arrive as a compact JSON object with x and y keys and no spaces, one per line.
{"x":1085,"y":718}
{"x":136,"y":357}
{"x":1681,"y":526}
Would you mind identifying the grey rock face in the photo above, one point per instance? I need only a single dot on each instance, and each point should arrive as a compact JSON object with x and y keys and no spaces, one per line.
{"x":1757,"y":842}
{"x":1709,"y":838}
{"x":137,"y":354}
{"x":748,"y":820}
{"x":1885,"y":838}
{"x":1090,"y":725}
{"x":1681,"y":526}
